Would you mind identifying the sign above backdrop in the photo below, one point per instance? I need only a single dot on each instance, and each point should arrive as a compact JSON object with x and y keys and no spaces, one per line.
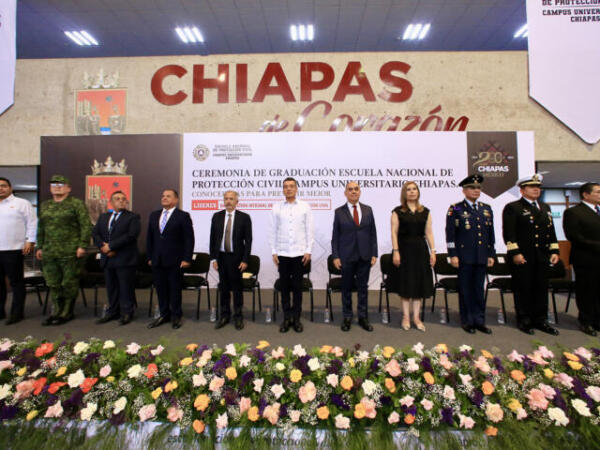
{"x":8,"y":52}
{"x":255,"y":164}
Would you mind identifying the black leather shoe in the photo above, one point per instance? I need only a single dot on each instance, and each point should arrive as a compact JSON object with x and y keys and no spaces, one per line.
{"x":127,"y":318}
{"x":64,"y":319}
{"x":298,"y":328}
{"x":483,"y":329}
{"x":285,"y":326}
{"x":106,"y":319}
{"x":222,"y":322}
{"x":596,"y":327}
{"x":364,"y":323}
{"x":13,"y":319}
{"x":547,"y":329}
{"x":239,"y":323}
{"x":2,"y":315}
{"x":158,"y":322}
{"x":177,"y":323}
{"x":50,"y":320}
{"x":587,"y":329}
{"x":468,"y":329}
{"x":526,"y":329}
{"x":346,"y":323}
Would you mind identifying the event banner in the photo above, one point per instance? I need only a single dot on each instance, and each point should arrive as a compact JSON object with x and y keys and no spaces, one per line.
{"x":564,"y":62}
{"x":255,"y":165}
{"x":8,"y":52}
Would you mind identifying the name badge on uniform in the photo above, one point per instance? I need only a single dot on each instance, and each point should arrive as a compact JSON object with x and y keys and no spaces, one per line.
{"x":486,"y":213}
{"x":526,"y":212}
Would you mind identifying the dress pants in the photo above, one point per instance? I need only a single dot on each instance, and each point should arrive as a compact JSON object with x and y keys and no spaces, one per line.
{"x":230,"y":279}
{"x":120,"y":286}
{"x":11,"y":266}
{"x":355,"y":270}
{"x":530,"y":287}
{"x":587,"y":294}
{"x":471,"y":295}
{"x":168,"y":282}
{"x":290,"y":278}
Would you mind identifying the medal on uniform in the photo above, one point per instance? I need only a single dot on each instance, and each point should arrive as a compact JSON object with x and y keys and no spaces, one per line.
{"x":467,"y":225}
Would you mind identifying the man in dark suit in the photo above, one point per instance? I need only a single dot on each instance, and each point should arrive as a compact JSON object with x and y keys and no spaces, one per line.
{"x":582,"y":227}
{"x":354,"y":251}
{"x":531,"y":246}
{"x":116,"y":234}
{"x":170,"y":246}
{"x":230,"y":245}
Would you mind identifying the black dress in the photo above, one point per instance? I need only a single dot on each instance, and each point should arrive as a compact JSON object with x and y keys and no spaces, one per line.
{"x":413,"y":279}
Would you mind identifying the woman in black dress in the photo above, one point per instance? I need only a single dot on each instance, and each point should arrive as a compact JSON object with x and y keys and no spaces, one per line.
{"x":413,"y":253}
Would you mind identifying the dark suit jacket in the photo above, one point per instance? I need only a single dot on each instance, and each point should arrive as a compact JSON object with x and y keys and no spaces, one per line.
{"x":122,"y":240}
{"x":175,"y":243}
{"x":582,"y":228}
{"x":241,"y":236}
{"x":350,"y":242}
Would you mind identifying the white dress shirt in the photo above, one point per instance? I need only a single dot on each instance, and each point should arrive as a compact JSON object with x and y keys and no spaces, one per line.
{"x":291,"y":232}
{"x":18,"y":223}
{"x":592,"y":207}
{"x":351,"y":208}
{"x":225,"y":227}
{"x":168,"y":212}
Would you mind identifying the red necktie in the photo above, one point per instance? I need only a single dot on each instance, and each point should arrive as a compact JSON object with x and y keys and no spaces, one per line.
{"x":355,"y":216}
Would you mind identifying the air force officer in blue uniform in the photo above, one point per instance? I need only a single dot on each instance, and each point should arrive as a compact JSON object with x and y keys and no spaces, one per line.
{"x":470,"y":241}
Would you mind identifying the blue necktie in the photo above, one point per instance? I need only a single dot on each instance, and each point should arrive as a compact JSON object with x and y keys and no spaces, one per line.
{"x":163,"y":222}
{"x":113,"y":219}
{"x":598,"y":210}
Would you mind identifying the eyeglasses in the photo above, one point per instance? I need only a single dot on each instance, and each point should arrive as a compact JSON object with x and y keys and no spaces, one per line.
{"x":57,"y":184}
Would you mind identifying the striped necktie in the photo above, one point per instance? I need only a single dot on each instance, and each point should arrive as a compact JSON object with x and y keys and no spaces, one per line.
{"x":163,"y":221}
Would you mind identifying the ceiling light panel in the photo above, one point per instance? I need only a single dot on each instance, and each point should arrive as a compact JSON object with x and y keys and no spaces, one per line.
{"x":302,"y":32}
{"x":189,"y":35}
{"x":82,"y":38}
{"x":416,"y":31}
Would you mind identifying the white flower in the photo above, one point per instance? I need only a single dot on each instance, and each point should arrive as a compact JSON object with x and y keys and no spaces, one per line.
{"x":393,"y":418}
{"x":412,"y":365}
{"x":134,"y":371}
{"x":107,"y":345}
{"x":157,"y":351}
{"x":369,"y":387}
{"x":75,"y":379}
{"x":258,"y":384}
{"x":313,"y":364}
{"x":88,"y":411}
{"x":449,"y":393}
{"x":342,"y":422}
{"x":4,"y":391}
{"x":465,"y":379}
{"x":55,"y":410}
{"x":279,"y":366}
{"x":593,"y":392}
{"x":222,"y":420}
{"x":230,"y":350}
{"x":464,"y":348}
{"x":133,"y":348}
{"x":581,"y":407}
{"x":558,"y":416}
{"x":80,"y":347}
{"x":466,"y":421}
{"x":5,"y":345}
{"x":299,"y":351}
{"x":199,"y":380}
{"x":277,"y":390}
{"x":332,"y":379}
{"x":245,"y":361}
{"x":119,"y":405}
{"x":407,"y":401}
{"x":5,"y":365}
{"x":295,"y":415}
{"x":418,"y":348}
{"x":427,"y":404}
{"x":515,"y":356}
{"x":583,"y":352}
{"x":362,"y":356}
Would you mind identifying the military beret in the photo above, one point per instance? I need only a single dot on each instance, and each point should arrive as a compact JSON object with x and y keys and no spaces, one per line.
{"x":59,"y":179}
{"x":472,"y":181}
{"x":532,"y":180}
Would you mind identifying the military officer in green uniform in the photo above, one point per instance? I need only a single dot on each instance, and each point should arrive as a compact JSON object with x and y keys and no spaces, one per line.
{"x":64,"y":231}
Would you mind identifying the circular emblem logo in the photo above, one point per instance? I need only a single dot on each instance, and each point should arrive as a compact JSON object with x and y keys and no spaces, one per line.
{"x":201,"y":152}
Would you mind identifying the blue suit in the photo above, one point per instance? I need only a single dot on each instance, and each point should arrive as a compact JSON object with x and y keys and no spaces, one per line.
{"x":354,"y":246}
{"x":470,"y":237}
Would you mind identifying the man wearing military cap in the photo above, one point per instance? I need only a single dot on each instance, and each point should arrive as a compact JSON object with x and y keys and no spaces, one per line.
{"x":531,"y":244}
{"x":470,"y":242}
{"x":64,"y":230}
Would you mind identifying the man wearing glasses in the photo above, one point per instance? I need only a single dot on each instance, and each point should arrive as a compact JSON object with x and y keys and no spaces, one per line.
{"x":64,"y":231}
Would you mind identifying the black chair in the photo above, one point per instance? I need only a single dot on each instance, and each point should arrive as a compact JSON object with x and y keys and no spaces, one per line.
{"x":334,"y":284}
{"x":560,"y":282}
{"x":307,"y":286}
{"x":446,"y":278}
{"x":38,"y":283}
{"x":249,"y":284}
{"x":502,"y":279}
{"x":387,"y":272}
{"x":196,"y":276}
{"x":144,"y":279}
{"x":92,"y":277}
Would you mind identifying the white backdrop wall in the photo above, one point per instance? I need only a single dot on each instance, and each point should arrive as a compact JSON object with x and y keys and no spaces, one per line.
{"x":255,"y":164}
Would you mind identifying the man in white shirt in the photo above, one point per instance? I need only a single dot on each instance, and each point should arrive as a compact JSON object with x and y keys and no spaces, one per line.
{"x":18,"y":223}
{"x":291,"y":238}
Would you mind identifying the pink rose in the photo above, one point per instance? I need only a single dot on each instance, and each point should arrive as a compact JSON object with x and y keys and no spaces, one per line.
{"x":271,"y":413}
{"x":427,"y":404}
{"x":394,"y":418}
{"x":222,"y":421}
{"x":174,"y":414}
{"x":545,"y":352}
{"x":308,"y":392}
{"x":548,"y":391}
{"x":393,"y":368}
{"x":147,"y":412}
{"x":407,"y":401}
{"x":5,"y":345}
{"x":482,"y":364}
{"x":105,"y":371}
{"x":449,"y":393}
{"x":342,"y":422}
{"x":593,"y":392}
{"x":295,"y":415}
{"x":494,"y":412}
{"x":6,"y":364}
{"x":537,"y":399}
{"x":245,"y":404}
{"x":521,"y":414}
{"x":369,"y":405}
{"x":583,"y":352}
{"x":24,"y":389}
{"x":466,"y":422}
{"x":445,"y":362}
{"x":215,"y":384}
{"x":515,"y":357}
{"x":55,"y":410}
{"x":157,"y":351}
{"x":133,"y":348}
{"x":537,"y":358}
{"x":337,"y":351}
{"x":277,"y":353}
{"x":564,"y":379}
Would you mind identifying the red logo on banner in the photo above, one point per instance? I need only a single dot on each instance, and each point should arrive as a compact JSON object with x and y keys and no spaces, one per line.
{"x":205,"y":205}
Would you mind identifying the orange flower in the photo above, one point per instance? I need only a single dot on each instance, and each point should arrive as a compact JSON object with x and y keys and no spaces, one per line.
{"x":87,"y":384}
{"x":326,"y":349}
{"x":518,"y":376}
{"x":295,"y":376}
{"x":487,"y":354}
{"x":38,"y":385}
{"x":51,"y":362}
{"x":571,"y":356}
{"x":54,"y":387}
{"x":359,"y":411}
{"x":198,"y":426}
{"x":575,"y":365}
{"x":171,"y":386}
{"x":253,"y":414}
{"x":191,"y":347}
{"x":388,"y":351}
{"x":201,"y":402}
{"x":491,"y":431}
{"x":409,"y":419}
{"x":346,"y":383}
{"x":323,"y":413}
{"x":151,"y":371}
{"x":231,"y":373}
{"x":487,"y":388}
{"x":428,"y":378}
{"x":390,"y":385}
{"x":44,"y":349}
{"x":186,"y":361}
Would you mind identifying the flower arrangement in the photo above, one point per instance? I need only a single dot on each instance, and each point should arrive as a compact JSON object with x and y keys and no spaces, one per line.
{"x":205,"y":386}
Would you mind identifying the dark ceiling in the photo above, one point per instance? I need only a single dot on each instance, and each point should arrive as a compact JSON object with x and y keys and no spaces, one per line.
{"x":146,"y":27}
